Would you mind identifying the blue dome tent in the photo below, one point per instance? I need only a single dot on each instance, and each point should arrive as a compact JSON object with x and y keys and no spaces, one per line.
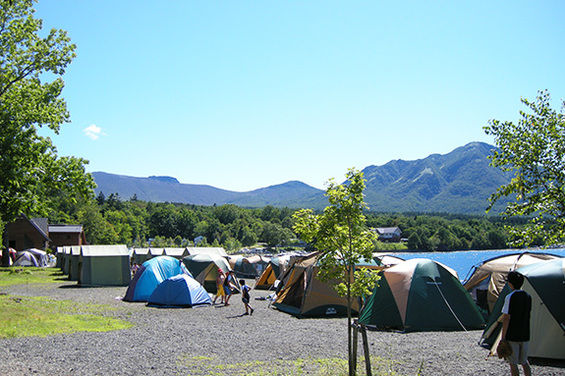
{"x":150,"y":275}
{"x":179,"y":291}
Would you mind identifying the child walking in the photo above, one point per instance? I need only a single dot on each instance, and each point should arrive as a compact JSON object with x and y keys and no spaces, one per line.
{"x":245,"y":297}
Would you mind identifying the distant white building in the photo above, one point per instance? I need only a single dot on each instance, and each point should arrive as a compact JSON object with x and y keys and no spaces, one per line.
{"x":388,"y":234}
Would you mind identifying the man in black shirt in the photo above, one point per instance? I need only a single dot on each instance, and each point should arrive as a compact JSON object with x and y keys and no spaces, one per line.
{"x":516,"y":324}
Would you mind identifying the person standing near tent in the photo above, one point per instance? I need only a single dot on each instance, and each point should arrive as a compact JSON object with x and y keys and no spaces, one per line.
{"x":220,"y":287}
{"x":516,"y":324}
{"x":228,"y":285}
{"x":245,"y":297}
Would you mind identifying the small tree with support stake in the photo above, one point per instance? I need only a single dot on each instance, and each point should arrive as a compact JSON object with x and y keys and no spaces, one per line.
{"x":340,"y":234}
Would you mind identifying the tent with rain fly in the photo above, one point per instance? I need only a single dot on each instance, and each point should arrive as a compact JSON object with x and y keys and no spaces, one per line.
{"x":204,"y":268}
{"x":150,"y":274}
{"x":104,"y":265}
{"x":40,"y":256}
{"x":179,"y":291}
{"x":274,"y":270}
{"x":304,"y":295}
{"x":420,"y":295}
{"x":545,"y":282}
{"x":25,"y":258}
{"x":488,"y":278}
{"x":248,"y":266}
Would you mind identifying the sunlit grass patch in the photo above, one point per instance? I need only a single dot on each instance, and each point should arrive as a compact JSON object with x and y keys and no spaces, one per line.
{"x":39,"y":316}
{"x":21,"y":276}
{"x":200,"y":365}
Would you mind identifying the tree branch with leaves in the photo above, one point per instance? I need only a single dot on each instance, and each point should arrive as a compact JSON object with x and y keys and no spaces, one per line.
{"x":534,"y":150}
{"x":30,"y":170}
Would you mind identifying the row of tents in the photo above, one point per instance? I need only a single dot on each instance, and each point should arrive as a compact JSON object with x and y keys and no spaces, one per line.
{"x":110,"y":265}
{"x":413,"y":295}
{"x":425,"y":295}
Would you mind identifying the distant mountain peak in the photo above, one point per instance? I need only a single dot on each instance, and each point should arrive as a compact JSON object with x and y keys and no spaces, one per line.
{"x":165,"y":179}
{"x":456,"y":182}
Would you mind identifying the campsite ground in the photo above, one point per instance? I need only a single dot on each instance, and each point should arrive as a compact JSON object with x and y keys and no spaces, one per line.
{"x":218,"y":341}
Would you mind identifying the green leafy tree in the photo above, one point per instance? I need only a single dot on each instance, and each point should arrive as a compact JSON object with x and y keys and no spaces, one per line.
{"x":275,"y":235}
{"x":341,"y":236}
{"x":96,"y":228}
{"x":534,"y":150}
{"x":30,"y":169}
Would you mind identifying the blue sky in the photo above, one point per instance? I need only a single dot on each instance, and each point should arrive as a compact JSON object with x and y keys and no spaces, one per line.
{"x":246,"y":94}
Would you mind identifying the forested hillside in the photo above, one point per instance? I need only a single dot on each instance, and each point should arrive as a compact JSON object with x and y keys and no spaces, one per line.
{"x":109,"y":220}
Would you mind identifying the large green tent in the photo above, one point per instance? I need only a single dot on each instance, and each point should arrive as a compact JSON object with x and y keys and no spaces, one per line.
{"x":545,"y":282}
{"x":74,"y":263}
{"x":104,"y":265}
{"x":420,"y":295}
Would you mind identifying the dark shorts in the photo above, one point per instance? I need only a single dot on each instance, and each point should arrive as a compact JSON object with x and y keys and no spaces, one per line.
{"x":227,"y":290}
{"x":245,"y":300}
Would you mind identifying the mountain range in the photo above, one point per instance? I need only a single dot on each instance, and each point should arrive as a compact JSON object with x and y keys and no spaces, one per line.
{"x":457,"y":182}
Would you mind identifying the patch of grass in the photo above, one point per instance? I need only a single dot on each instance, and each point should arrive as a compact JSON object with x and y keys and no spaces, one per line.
{"x":21,"y":276}
{"x":39,"y":316}
{"x":200,"y":365}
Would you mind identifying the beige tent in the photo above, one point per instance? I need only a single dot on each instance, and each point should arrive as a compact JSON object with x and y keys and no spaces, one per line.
{"x":545,"y":282}
{"x":104,"y":265}
{"x":304,"y":295}
{"x":248,"y":266}
{"x":488,"y":279}
{"x":276,"y":268}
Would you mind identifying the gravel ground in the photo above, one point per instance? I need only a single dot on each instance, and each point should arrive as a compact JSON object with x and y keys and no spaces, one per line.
{"x":218,"y":341}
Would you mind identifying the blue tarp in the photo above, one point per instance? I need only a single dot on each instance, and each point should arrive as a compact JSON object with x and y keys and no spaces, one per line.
{"x":180,"y":290}
{"x":150,"y":275}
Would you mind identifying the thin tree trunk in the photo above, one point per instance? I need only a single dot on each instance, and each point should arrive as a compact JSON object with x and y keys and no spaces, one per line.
{"x":355,"y":343}
{"x":349,"y":339}
{"x":366,"y":350}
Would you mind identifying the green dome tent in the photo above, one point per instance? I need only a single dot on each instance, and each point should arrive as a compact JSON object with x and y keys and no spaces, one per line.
{"x":420,"y":295}
{"x":204,"y":268}
{"x":545,"y":282}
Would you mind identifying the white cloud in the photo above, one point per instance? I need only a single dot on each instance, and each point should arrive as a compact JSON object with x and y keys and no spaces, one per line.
{"x":93,"y":132}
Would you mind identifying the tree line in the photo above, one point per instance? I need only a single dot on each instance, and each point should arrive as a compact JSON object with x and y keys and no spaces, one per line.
{"x":112,"y":220}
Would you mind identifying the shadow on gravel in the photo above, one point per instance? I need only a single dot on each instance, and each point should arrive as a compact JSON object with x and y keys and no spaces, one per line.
{"x":236,"y":316}
{"x":548,"y":362}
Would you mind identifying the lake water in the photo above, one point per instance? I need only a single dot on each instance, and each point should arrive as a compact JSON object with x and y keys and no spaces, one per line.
{"x":463,"y":261}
